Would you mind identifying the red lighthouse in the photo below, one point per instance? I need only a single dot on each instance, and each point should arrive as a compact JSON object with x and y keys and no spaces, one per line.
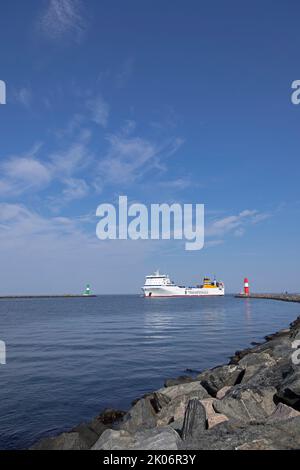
{"x":246,"y":287}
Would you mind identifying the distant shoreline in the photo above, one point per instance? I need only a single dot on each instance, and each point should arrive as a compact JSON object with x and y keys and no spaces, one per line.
{"x":49,"y":296}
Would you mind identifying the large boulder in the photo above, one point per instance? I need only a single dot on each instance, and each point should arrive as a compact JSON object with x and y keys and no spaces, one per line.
{"x":164,"y":438}
{"x":141,"y":416}
{"x":215,"y":379}
{"x":173,"y":412}
{"x":255,"y":362}
{"x":192,"y":389}
{"x":194,"y":420}
{"x":268,"y":376}
{"x":281,"y":413}
{"x":255,"y":358}
{"x":247,"y":405}
{"x":183,"y":379}
{"x":222,"y":392}
{"x":283,"y":435}
{"x":289,"y":390}
{"x":212,"y":418}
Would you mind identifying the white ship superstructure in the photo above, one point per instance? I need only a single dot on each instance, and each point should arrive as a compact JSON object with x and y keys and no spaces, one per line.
{"x":160,"y":285}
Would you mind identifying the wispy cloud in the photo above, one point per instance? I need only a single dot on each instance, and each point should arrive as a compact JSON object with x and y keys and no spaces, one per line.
{"x":177,"y":184}
{"x":71,"y":160}
{"x":63,"y":18}
{"x":23,"y":96}
{"x":22,"y":173}
{"x":234,"y":224}
{"x":99,"y":110}
{"x":125,"y":73}
{"x":75,"y":188}
{"x":35,"y":170}
{"x":129,"y":158}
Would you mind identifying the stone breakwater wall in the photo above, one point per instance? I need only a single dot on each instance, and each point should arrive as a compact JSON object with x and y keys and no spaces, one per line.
{"x":283,"y":297}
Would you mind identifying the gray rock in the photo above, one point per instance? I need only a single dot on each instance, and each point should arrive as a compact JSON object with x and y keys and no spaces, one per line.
{"x":141,"y":416}
{"x":65,"y":441}
{"x":174,"y":411}
{"x":256,"y":358}
{"x":289,"y":391}
{"x":268,"y":376}
{"x":229,"y":436}
{"x":257,"y":444}
{"x":179,"y":380}
{"x":194,"y":420}
{"x":114,"y":440}
{"x":159,"y":401}
{"x":282,"y":413}
{"x":88,"y":435}
{"x":215,"y":379}
{"x":222,"y":392}
{"x":192,"y":390}
{"x":164,"y":438}
{"x":247,"y":404}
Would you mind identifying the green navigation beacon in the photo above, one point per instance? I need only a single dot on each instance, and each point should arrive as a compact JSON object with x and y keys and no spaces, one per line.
{"x":87,"y":290}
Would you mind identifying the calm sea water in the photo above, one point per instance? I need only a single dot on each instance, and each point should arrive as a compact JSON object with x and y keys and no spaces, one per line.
{"x":67,"y":359}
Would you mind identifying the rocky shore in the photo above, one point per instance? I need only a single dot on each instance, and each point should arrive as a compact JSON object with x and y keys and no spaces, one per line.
{"x":253,"y":402}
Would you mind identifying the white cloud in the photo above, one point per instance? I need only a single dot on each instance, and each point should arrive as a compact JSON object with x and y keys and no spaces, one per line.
{"x":177,"y":184}
{"x":61,"y":18}
{"x":21,"y":173}
{"x":129,"y":158}
{"x":24,"y":97}
{"x":74,"y":159}
{"x":99,"y":110}
{"x":28,"y":170}
{"x":75,"y":188}
{"x":234,"y":224}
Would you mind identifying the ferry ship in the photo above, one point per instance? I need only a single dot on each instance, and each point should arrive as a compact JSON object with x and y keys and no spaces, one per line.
{"x":160,"y":285}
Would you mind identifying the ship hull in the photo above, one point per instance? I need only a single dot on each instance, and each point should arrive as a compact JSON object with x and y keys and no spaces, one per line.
{"x":175,"y":291}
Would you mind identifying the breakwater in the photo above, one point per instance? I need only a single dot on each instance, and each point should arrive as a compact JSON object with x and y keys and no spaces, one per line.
{"x":49,"y":296}
{"x":253,"y":402}
{"x":283,"y":297}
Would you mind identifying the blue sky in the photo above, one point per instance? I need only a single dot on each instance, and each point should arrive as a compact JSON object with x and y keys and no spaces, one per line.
{"x":161,"y":101}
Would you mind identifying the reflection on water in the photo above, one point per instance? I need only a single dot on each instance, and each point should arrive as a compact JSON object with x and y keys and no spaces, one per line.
{"x":248,"y":307}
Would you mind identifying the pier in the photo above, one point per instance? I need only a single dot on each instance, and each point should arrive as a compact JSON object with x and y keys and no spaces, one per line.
{"x":49,"y":296}
{"x":283,"y":297}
